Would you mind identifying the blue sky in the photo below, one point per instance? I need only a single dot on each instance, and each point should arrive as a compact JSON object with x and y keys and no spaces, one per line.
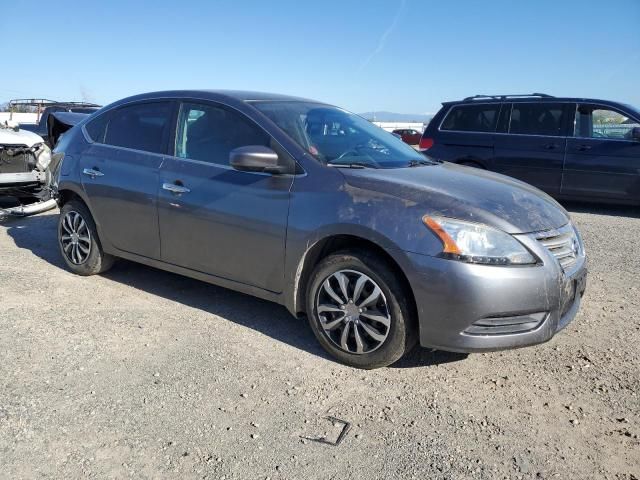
{"x":403,"y":56}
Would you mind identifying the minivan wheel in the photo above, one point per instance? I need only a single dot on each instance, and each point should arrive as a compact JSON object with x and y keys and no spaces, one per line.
{"x":358,"y":311}
{"x":78,"y":240}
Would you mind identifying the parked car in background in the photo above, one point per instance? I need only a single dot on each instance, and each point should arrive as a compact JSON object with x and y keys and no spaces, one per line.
{"x":25,"y":170}
{"x":45,"y":109}
{"x":307,"y":205}
{"x":409,"y":135}
{"x":572,"y":148}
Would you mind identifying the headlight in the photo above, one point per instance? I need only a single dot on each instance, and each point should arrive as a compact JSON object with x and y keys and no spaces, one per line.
{"x":477,"y":243}
{"x":43,"y":156}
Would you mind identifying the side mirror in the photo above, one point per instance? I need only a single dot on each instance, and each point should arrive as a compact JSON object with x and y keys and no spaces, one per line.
{"x":256,"y":158}
{"x":635,"y":134}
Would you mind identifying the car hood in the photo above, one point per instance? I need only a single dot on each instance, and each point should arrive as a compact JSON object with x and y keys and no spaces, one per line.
{"x":8,"y":136}
{"x":465,"y":193}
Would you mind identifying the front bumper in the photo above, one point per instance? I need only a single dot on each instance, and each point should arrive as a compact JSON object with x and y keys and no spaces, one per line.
{"x":473,"y":308}
{"x":13,"y":180}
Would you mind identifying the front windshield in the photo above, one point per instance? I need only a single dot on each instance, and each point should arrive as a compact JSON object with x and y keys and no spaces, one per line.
{"x":338,"y":137}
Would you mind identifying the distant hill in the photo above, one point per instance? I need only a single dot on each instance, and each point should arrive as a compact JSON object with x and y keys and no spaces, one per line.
{"x":397,"y":117}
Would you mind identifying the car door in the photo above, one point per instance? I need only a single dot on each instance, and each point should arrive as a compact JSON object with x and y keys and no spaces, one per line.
{"x":213,"y":218}
{"x":121,"y":171}
{"x":533,"y":147}
{"x":603,"y":160}
{"x":414,"y":137}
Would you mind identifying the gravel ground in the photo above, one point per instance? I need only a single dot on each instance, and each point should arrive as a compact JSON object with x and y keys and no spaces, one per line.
{"x":144,"y":374}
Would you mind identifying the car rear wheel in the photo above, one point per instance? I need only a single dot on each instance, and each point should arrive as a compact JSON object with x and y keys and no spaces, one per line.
{"x":78,"y":240}
{"x":358,"y":310}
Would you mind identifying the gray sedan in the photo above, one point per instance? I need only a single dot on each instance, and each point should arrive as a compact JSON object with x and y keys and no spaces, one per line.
{"x":310,"y":206}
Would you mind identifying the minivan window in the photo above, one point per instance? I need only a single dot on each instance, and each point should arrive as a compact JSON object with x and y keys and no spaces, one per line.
{"x":598,"y":122}
{"x":337,"y":137}
{"x":142,"y":126}
{"x":472,"y":118}
{"x":537,"y":119}
{"x":208,"y":133}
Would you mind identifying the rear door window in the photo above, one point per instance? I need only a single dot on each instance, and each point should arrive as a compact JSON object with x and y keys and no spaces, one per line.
{"x":472,"y":118}
{"x":538,"y":119}
{"x":143,"y":126}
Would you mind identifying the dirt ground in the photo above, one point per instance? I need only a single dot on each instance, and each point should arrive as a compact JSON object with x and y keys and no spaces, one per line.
{"x":144,"y":374}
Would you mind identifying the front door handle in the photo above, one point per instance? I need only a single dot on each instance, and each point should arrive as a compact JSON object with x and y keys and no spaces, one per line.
{"x":93,"y":172}
{"x":174,"y":188}
{"x":551,"y":146}
{"x":584,"y":148}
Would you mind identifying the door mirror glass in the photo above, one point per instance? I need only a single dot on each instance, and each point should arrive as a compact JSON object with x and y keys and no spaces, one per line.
{"x":635,"y":134}
{"x":256,"y":158}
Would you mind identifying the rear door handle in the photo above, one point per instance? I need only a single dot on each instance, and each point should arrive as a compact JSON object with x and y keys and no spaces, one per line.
{"x":551,"y":146}
{"x":174,"y":188}
{"x":93,"y":172}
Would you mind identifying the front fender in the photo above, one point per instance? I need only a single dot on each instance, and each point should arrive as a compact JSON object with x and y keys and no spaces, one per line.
{"x":324,"y":205}
{"x":312,"y":248}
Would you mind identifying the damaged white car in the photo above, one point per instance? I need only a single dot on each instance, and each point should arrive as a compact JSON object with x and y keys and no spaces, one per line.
{"x":25,"y":171}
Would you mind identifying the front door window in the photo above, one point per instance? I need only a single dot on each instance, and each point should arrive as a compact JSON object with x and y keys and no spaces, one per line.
{"x":595,"y":122}
{"x":208,"y":133}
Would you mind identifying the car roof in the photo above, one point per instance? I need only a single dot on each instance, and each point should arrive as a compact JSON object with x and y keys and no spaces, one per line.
{"x":536,"y":97}
{"x":228,"y":96}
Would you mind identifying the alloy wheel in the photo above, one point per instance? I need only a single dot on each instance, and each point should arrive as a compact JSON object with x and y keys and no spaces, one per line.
{"x":353,"y":312}
{"x":75,"y":238}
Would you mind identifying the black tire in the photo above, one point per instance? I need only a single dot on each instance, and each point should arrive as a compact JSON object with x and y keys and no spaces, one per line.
{"x":401,"y":333}
{"x":96,"y":260}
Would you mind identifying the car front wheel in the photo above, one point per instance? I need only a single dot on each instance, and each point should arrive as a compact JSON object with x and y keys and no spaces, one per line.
{"x":359,"y":311}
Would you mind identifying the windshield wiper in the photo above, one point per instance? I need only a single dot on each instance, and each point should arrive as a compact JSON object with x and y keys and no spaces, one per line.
{"x":351,"y":165}
{"x":418,"y":163}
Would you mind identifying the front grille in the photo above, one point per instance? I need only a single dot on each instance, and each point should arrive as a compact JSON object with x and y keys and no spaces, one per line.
{"x":16,"y":159}
{"x":563,"y":245}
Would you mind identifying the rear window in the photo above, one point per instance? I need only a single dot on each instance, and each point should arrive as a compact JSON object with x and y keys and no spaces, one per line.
{"x":472,"y":118}
{"x":141,"y":127}
{"x":537,"y":119}
{"x":97,"y":127}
